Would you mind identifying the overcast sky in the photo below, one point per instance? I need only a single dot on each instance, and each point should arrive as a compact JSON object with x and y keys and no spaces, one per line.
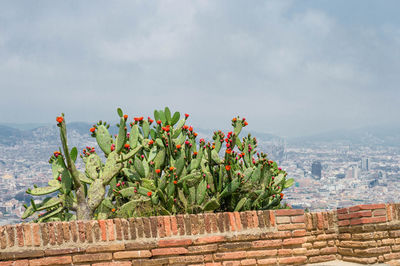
{"x":290,"y":67}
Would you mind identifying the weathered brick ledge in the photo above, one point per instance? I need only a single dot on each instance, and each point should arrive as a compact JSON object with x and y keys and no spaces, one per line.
{"x":364,"y":234}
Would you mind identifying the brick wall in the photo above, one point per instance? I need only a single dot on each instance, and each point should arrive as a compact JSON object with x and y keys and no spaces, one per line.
{"x":363,"y":233}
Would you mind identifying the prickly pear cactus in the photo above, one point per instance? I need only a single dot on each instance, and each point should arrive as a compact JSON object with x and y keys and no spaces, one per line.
{"x":158,"y":167}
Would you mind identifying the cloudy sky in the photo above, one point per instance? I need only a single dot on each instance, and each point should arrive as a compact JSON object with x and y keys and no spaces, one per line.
{"x":290,"y":67}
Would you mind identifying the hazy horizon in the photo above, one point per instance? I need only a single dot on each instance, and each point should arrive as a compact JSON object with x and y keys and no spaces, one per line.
{"x":291,"y":68}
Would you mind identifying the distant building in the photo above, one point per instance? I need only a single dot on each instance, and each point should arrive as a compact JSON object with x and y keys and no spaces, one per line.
{"x":316,"y":169}
{"x":364,"y":164}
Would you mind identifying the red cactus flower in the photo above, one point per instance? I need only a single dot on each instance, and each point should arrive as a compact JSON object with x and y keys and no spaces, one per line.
{"x":150,"y":120}
{"x":245,"y":123}
{"x":158,"y":171}
{"x":186,"y":116}
{"x":282,"y":195}
{"x":171,"y":168}
{"x":195,"y":134}
{"x":227,"y":167}
{"x":228,"y":151}
{"x":175,"y":182}
{"x":113,"y":209}
{"x":151,"y":142}
{"x":159,"y":122}
{"x":112,"y":147}
{"x":57,"y":153}
{"x":60,"y":119}
{"x":178,"y":146}
{"x":190,"y":128}
{"x":127,"y":146}
{"x":149,"y":193}
{"x":185,"y":127}
{"x":234,"y":119}
{"x":92,"y":129}
{"x":195,"y":153}
{"x":125,"y":117}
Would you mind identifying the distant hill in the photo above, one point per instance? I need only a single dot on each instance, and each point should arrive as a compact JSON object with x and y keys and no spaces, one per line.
{"x":371,"y":135}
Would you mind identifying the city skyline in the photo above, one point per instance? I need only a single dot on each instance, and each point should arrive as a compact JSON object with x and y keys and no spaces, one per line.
{"x":290,"y":68}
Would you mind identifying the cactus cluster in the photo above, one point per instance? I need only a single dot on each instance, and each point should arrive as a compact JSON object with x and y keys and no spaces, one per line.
{"x":158,"y":168}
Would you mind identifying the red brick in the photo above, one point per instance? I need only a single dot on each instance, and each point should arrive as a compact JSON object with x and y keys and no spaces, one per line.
{"x":174,"y":242}
{"x":273,"y":235}
{"x":27,"y":234}
{"x":140,"y":227}
{"x":232,"y":222}
{"x":168,"y":251}
{"x":167,"y":225}
{"x":267,"y":262}
{"x":344,"y":223}
{"x":11,"y":235}
{"x":92,"y":257}
{"x":209,"y":239}
{"x":237,"y":220}
{"x":181,"y":224}
{"x":139,"y":245}
{"x":146,"y":227}
{"x":272,"y":218}
{"x":293,"y":260}
{"x":367,"y":213}
{"x":51,"y":261}
{"x":322,"y":258}
{"x":134,"y":254}
{"x":267,"y":243}
{"x":380,"y":219}
{"x":320,"y":220}
{"x":104,"y":248}
{"x":153,"y":226}
{"x":343,"y":210}
{"x":354,"y":208}
{"x":294,"y":241}
{"x":132,"y":227}
{"x":81,"y":230}
{"x":103,"y":230}
{"x":74,"y":231}
{"x":289,"y":212}
{"x":174,"y":225}
{"x":110,"y":230}
{"x":62,"y":251}
{"x":230,"y":255}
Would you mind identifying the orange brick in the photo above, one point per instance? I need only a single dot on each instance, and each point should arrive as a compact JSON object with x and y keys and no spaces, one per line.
{"x":284,"y":227}
{"x":261,"y":253}
{"x":168,"y":251}
{"x":301,"y":232}
{"x":267,"y":262}
{"x":238,"y":221}
{"x":203,"y":249}
{"x":248,"y":262}
{"x":51,"y":261}
{"x":343,"y":210}
{"x":230,"y":255}
{"x":289,"y":212}
{"x":92,"y":257}
{"x":344,"y":223}
{"x":174,"y":225}
{"x":104,"y":248}
{"x":174,"y":242}
{"x":283,"y":220}
{"x":232,"y":222}
{"x":110,"y":229}
{"x":285,"y":252}
{"x":132,"y":254}
{"x":115,"y":263}
{"x":298,"y":219}
{"x":294,"y":241}
{"x":272,"y":218}
{"x":293,"y":260}
{"x":209,"y":239}
{"x":36,"y":234}
{"x":267,"y":243}
{"x":367,"y":213}
{"x":167,"y":224}
{"x":380,"y":219}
